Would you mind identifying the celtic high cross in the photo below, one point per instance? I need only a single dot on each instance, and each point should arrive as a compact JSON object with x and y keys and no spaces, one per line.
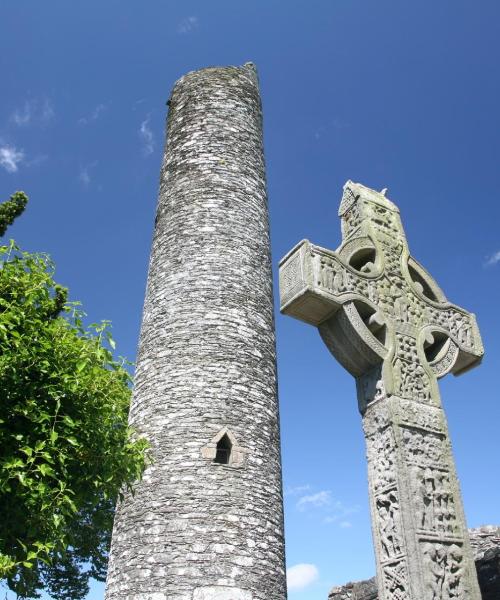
{"x":389,"y":324}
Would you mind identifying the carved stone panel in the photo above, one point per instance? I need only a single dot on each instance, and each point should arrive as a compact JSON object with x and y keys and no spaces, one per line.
{"x":434,"y":502}
{"x":444,"y":571}
{"x":389,"y":525}
{"x":291,"y":277}
{"x":381,"y":460}
{"x":395,"y":581}
{"x":416,"y":415}
{"x":424,"y":449}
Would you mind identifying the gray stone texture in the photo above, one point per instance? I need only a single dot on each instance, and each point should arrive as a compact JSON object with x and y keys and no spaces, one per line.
{"x":390,"y":325}
{"x":485,"y":544}
{"x":195,"y":529}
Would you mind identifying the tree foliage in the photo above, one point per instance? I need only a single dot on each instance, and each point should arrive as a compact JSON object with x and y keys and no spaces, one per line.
{"x":11,"y":209}
{"x":65,"y":448}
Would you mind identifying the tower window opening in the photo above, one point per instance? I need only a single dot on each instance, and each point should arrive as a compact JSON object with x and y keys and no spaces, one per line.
{"x":223,"y":452}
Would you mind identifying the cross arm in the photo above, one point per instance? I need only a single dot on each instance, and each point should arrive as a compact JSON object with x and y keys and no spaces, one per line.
{"x":451,"y":339}
{"x":319,"y":287}
{"x":315,"y":282}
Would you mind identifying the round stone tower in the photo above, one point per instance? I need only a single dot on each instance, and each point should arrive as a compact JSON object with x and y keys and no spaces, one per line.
{"x":206,"y":521}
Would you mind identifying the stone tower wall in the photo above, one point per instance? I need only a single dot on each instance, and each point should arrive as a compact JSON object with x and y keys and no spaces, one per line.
{"x":197,"y":530}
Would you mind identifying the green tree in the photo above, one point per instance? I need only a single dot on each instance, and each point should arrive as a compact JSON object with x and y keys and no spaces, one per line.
{"x":11,"y":209}
{"x":65,"y":448}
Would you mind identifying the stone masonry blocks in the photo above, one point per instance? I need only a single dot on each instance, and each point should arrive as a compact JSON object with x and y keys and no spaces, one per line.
{"x":206,"y":361}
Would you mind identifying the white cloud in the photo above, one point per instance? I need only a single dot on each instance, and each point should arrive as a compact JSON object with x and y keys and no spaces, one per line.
{"x":94,"y":115}
{"x":333,"y":510}
{"x":147,"y":137}
{"x":188,"y":25}
{"x":319,"y":499}
{"x":300,"y":576}
{"x":84,"y":175}
{"x":493,"y":259}
{"x":10,"y":158}
{"x":39,"y":111}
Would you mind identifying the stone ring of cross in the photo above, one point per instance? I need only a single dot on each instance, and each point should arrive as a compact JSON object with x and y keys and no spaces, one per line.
{"x":377,"y":309}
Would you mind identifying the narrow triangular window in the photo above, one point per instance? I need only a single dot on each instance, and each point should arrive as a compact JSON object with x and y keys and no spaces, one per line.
{"x":223,"y":452}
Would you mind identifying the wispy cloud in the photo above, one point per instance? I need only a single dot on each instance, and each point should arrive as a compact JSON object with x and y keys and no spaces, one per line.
{"x":22,"y":116}
{"x":94,"y":115}
{"x":11,"y":158}
{"x":47,"y":111}
{"x":319,"y":499}
{"x":331,"y":509}
{"x":338,"y":123}
{"x":84,"y":175}
{"x":300,"y":576}
{"x":493,"y":259}
{"x":188,"y":25}
{"x":33,"y":111}
{"x":338,"y":514}
{"x":147,"y":137}
{"x":298,"y":489}
{"x":37,"y":160}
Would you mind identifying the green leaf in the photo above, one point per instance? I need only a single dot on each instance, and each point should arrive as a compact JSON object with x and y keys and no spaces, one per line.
{"x":46,"y":469}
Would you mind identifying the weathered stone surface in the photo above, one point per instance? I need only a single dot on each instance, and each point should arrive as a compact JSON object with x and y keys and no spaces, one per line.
{"x":390,"y":325}
{"x":485,"y":544}
{"x":197,"y":528}
{"x":360,"y":590}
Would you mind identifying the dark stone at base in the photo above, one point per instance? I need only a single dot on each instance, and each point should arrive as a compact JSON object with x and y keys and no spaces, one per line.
{"x":485,"y":542}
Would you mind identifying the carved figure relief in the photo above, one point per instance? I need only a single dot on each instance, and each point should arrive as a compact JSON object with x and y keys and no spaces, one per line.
{"x":434,"y":502}
{"x":400,"y":301}
{"x":443,"y":564}
{"x":424,"y":417}
{"x":389,"y":524}
{"x":376,"y":418}
{"x":381,"y":456}
{"x":461,"y":329}
{"x":352,"y":220}
{"x":410,"y":380}
{"x":373,"y":294}
{"x":333,"y":275}
{"x":423,"y":448}
{"x":383,"y":218}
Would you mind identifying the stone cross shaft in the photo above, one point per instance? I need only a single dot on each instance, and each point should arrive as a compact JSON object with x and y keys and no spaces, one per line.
{"x":389,"y":324}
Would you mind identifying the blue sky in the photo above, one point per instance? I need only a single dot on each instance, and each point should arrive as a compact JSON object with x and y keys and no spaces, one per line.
{"x":388,"y":93}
